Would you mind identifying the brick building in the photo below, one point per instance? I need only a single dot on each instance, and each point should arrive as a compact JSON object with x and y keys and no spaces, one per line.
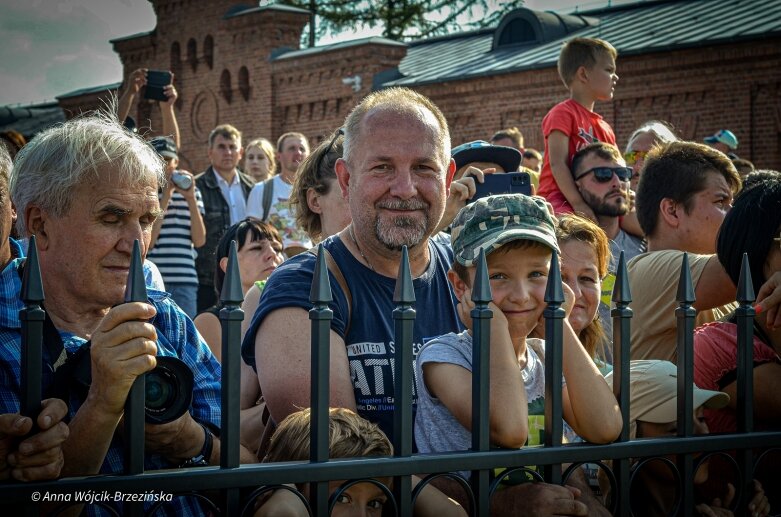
{"x":701,"y":65}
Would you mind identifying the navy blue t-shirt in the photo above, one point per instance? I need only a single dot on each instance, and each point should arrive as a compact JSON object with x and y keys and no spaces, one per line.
{"x":370,"y":346}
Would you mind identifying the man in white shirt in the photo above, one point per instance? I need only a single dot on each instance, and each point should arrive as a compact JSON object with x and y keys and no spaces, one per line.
{"x":224,"y":189}
{"x":270,"y":199}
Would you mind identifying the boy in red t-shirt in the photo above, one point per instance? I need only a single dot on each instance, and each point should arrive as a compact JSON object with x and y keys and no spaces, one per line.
{"x":588,"y":68}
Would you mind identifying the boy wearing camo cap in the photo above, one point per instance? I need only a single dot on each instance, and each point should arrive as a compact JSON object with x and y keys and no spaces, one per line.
{"x":518,"y":235}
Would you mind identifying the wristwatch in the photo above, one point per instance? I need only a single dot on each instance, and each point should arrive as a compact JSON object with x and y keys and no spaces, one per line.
{"x":202,"y":458}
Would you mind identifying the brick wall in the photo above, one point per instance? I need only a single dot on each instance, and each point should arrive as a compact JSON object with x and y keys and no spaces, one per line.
{"x":700,"y":90}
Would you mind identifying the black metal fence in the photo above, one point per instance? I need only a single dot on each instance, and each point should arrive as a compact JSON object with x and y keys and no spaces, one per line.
{"x":231,"y":489}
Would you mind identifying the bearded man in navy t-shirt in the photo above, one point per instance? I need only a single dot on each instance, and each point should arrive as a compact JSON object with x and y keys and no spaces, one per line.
{"x":395,"y":175}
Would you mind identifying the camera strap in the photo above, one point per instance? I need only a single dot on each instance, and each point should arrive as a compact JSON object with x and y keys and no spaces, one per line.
{"x":61,"y":363}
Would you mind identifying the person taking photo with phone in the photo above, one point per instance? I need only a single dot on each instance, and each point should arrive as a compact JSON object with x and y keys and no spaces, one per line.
{"x":179,"y":231}
{"x":138,"y":80}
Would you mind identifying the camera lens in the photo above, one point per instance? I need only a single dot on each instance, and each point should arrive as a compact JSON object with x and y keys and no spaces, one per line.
{"x":169,"y":390}
{"x":160,"y":389}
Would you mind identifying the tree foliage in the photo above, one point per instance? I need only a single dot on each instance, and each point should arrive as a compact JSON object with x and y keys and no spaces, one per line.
{"x":404,"y":20}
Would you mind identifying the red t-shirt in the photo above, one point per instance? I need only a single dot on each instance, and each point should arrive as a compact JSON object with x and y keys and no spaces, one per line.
{"x":715,"y":356}
{"x":583,"y":127}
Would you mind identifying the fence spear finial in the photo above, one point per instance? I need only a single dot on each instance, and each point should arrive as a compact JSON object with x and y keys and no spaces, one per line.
{"x":404,"y":293}
{"x":135,"y":290}
{"x":685,"y":287}
{"x":321,"y":287}
{"x":32,"y":285}
{"x":232,"y":293}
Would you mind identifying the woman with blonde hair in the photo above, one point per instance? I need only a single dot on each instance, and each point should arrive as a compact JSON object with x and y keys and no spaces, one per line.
{"x":259,"y":160}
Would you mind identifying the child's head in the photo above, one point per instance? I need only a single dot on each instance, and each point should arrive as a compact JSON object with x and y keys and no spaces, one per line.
{"x":166,"y":148}
{"x":518,"y":234}
{"x":653,"y":402}
{"x":349,"y":436}
{"x":596,"y":57}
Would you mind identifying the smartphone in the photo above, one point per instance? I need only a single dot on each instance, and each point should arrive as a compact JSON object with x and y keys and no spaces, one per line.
{"x":503,"y":183}
{"x":156,"y":80}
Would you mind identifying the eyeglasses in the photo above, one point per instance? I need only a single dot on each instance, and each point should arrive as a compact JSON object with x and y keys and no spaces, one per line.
{"x":632,"y":157}
{"x":605,"y":174}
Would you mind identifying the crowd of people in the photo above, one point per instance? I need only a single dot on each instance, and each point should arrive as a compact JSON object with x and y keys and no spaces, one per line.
{"x":388,"y":179}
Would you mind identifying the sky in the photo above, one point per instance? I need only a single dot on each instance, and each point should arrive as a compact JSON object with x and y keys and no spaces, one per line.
{"x":53,"y":47}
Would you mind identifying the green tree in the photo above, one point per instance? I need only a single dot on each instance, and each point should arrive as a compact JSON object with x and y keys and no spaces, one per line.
{"x":402,"y":20}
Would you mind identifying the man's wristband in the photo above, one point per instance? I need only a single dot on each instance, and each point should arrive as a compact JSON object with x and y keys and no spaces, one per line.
{"x":202,"y":458}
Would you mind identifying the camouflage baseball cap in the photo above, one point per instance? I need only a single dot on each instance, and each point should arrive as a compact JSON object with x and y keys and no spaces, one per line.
{"x":492,"y":221}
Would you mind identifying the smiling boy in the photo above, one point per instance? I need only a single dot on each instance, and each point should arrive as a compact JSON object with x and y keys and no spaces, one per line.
{"x":518,"y":235}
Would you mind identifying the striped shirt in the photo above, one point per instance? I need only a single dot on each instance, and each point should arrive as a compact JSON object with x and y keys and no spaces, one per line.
{"x":176,"y":336}
{"x":173,"y":253}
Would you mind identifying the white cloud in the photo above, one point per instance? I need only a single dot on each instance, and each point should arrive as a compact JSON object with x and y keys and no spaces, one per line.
{"x":57,"y":46}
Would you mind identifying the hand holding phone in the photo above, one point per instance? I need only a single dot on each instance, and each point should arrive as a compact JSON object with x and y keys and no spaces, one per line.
{"x":503,"y":183}
{"x":156,"y":81}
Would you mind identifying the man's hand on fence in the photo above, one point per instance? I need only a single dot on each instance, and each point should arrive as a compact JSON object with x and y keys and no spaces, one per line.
{"x":123,"y":347}
{"x":39,"y":456}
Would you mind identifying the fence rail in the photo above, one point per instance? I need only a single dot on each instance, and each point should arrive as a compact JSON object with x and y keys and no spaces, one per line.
{"x":234,"y":482}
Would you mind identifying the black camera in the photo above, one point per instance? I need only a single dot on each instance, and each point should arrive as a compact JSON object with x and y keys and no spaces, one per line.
{"x":169,"y":386}
{"x":169,"y":390}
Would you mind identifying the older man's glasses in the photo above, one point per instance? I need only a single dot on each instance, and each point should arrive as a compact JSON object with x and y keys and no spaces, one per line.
{"x":605,"y":174}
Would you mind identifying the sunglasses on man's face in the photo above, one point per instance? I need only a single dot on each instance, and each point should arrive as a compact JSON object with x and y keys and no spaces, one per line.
{"x":605,"y":174}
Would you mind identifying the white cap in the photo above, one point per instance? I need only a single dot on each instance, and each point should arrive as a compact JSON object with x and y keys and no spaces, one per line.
{"x":653,"y":392}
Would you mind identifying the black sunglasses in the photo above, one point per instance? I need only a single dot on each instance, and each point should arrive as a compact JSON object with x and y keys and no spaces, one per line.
{"x":605,"y":174}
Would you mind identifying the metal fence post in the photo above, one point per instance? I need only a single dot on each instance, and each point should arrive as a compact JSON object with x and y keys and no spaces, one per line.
{"x":745,"y":369}
{"x":622,"y":319}
{"x":685,"y":315}
{"x":403,"y":321}
{"x":481,"y":345}
{"x":320,"y":316}
{"x":554,"y":339}
{"x":231,"y":317}
{"x":32,"y":317}
{"x":135,"y":291}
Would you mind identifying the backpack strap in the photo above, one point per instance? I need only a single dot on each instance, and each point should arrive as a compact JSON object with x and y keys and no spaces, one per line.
{"x":333,"y":268}
{"x":268,"y":195}
{"x":269,"y":425}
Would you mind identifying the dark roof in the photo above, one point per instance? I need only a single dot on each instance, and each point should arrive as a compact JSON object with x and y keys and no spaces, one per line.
{"x":131,"y":36}
{"x":29,"y":120}
{"x":240,"y":10}
{"x":638,"y":28}
{"x":339,"y":46}
{"x":91,"y":89}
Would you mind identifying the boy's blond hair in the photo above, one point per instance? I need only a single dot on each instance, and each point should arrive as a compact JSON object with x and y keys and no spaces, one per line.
{"x":579,"y":52}
{"x":349,"y":436}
